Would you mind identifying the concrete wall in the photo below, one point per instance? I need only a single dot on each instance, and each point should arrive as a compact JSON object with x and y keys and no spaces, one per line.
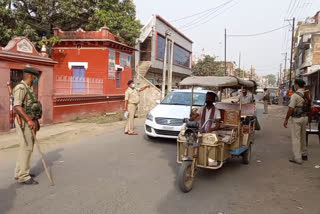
{"x":4,"y":97}
{"x":148,"y":97}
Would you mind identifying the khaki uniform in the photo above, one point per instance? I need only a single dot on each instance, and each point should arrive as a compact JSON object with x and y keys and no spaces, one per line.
{"x":298,"y":128}
{"x":26,"y":139}
{"x":265,"y":102}
{"x":132,"y":96}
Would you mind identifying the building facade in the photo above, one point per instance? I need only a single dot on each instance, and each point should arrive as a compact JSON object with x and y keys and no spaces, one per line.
{"x":151,"y":45}
{"x":307,"y":54}
{"x":18,"y":54}
{"x":91,"y":75}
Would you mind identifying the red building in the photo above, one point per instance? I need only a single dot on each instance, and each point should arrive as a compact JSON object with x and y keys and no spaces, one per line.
{"x":91,"y":75}
{"x":18,"y":54}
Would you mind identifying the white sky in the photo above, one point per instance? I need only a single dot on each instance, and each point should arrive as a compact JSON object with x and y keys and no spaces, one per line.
{"x":245,"y":17}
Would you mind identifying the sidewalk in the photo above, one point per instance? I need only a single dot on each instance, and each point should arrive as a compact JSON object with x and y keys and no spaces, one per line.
{"x":62,"y":133}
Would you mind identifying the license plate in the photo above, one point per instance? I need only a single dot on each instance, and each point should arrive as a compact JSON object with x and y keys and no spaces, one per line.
{"x":167,"y":127}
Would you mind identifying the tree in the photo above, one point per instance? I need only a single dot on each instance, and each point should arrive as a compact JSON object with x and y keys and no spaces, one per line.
{"x":272,"y":79}
{"x":208,"y":66}
{"x":35,"y":19}
{"x":242,"y":73}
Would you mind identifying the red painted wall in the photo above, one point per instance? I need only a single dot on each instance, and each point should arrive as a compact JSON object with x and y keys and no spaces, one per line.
{"x":98,"y":60}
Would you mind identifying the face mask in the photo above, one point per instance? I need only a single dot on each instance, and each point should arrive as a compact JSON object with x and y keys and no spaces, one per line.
{"x":35,"y":81}
{"x":133,"y":85}
{"x":209,"y":102}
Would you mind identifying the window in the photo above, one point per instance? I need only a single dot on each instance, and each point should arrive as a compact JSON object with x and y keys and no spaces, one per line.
{"x":118,"y":79}
{"x":78,"y":79}
{"x":161,"y":41}
{"x":181,"y":56}
{"x":112,"y":65}
{"x":125,"y":60}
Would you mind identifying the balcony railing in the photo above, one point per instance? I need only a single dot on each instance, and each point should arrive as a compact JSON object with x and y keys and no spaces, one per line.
{"x":68,"y":85}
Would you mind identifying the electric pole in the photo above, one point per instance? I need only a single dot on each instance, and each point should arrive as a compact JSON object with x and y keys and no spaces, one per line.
{"x":291,"y":55}
{"x":279,"y":76}
{"x":225,"y":52}
{"x":285,"y":66}
{"x":163,"y":91}
{"x":239,"y":64}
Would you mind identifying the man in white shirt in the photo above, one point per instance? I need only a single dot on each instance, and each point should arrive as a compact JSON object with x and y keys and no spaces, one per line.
{"x":246,"y":97}
{"x":209,"y":116}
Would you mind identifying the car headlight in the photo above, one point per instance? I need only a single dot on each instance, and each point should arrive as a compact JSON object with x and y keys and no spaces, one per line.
{"x":150,"y":117}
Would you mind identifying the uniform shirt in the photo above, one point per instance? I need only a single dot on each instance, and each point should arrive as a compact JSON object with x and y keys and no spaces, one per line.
{"x":216,"y":116}
{"x":245,"y":99}
{"x":265,"y":96}
{"x":132,"y":95}
{"x":296,"y":100}
{"x":21,"y":98}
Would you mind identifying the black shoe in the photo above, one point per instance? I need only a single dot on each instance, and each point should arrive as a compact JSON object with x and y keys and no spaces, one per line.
{"x":31,"y":175}
{"x":31,"y":181}
{"x":304,"y":157}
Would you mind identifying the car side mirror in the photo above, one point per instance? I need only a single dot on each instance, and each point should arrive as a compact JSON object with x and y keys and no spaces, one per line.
{"x":157,"y":101}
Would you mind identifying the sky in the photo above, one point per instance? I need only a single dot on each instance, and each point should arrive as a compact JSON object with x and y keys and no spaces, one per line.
{"x":238,"y":17}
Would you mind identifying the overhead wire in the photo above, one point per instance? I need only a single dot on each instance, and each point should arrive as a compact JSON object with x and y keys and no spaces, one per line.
{"x":193,"y":15}
{"x":205,"y":16}
{"x":208,"y":20}
{"x":256,"y":34}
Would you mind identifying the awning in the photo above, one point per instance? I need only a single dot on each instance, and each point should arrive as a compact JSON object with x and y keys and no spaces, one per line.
{"x":217,"y":82}
{"x":309,"y":73}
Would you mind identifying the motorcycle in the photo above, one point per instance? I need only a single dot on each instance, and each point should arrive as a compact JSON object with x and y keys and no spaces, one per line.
{"x":314,"y":124}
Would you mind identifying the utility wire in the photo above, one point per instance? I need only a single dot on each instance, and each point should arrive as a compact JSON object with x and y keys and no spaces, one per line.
{"x":256,"y":34}
{"x":192,"y":27}
{"x":204,"y":16}
{"x":193,"y":15}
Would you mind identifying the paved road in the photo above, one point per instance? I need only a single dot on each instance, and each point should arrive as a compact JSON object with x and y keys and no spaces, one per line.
{"x":116,"y":173}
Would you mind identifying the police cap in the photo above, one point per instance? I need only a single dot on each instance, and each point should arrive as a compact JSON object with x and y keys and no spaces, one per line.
{"x":300,"y":82}
{"x":31,"y":70}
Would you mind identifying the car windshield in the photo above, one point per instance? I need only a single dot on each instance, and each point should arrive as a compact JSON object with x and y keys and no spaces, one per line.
{"x":183,"y":98}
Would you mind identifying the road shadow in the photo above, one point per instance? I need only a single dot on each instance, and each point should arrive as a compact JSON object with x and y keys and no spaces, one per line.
{"x":50,"y":158}
{"x":7,"y":197}
{"x":9,"y":194}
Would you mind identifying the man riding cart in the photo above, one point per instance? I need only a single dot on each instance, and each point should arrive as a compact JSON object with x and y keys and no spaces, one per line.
{"x":215,"y":132}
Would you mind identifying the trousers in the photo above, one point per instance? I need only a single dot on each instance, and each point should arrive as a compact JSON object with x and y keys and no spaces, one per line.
{"x":265,"y":105}
{"x":298,"y":137}
{"x":130,"y":121}
{"x":26,"y":145}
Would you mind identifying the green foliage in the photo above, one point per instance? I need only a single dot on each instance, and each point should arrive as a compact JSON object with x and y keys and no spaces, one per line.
{"x":242,"y":73}
{"x":272,"y":79}
{"x":35,"y":19}
{"x":208,"y":66}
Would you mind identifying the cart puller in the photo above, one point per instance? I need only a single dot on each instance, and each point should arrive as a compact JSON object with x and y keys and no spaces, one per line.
{"x":29,"y":111}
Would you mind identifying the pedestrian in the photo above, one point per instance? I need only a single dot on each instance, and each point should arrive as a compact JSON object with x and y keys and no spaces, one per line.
{"x":29,"y":111}
{"x":132,"y":100}
{"x":299,"y":108}
{"x":265,"y":99}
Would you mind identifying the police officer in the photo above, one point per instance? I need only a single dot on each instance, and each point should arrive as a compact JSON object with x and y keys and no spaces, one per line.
{"x":265,"y":99}
{"x":132,"y":100}
{"x":298,"y":111}
{"x":29,"y":111}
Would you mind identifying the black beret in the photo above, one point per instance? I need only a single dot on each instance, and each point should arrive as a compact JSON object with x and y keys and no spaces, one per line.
{"x":300,"y":82}
{"x":31,"y":70}
{"x":130,"y":81}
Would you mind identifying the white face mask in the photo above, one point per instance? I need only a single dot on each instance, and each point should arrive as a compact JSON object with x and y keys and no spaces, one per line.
{"x":133,"y":85}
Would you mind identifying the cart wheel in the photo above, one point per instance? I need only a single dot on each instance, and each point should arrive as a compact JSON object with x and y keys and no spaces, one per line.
{"x":184,"y":176}
{"x":246,"y":156}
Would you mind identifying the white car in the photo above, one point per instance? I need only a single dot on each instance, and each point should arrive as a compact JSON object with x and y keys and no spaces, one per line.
{"x":167,"y":119}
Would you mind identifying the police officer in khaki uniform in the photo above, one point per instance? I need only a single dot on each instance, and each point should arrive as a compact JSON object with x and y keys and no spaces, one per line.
{"x":24,"y":104}
{"x":298,"y":111}
{"x":132,"y":100}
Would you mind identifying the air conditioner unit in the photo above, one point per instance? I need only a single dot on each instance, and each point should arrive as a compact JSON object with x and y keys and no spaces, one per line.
{"x":119,"y":68}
